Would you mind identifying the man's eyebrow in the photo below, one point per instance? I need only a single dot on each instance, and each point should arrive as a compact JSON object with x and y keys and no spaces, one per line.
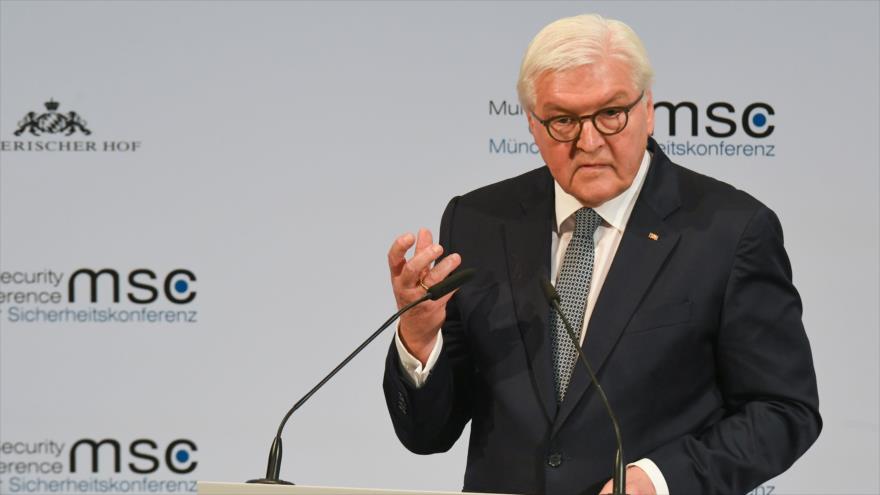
{"x":609,"y":102}
{"x":617,"y":96}
{"x":556,"y":108}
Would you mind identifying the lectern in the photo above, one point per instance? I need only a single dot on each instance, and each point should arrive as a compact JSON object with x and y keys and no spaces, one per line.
{"x":215,"y":488}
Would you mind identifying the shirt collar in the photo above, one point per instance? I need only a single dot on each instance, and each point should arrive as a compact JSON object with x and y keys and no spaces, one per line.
{"x":615,"y":212}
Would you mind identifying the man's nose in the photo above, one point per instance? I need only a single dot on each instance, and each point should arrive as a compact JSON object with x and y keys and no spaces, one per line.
{"x":590,"y":139}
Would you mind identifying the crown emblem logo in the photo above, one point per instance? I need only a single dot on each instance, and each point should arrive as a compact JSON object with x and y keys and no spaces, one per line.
{"x":52,"y":122}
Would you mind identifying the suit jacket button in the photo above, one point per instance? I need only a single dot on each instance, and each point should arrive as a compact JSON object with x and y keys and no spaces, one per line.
{"x":554,"y":460}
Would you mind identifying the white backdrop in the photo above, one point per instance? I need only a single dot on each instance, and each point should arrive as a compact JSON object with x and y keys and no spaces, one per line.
{"x":274,"y":150}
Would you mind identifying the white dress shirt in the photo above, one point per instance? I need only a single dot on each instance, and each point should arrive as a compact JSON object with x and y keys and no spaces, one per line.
{"x":615,"y":214}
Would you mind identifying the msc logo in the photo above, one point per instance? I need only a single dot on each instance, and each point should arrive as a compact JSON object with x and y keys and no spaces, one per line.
{"x":52,"y":122}
{"x":142,"y":285}
{"x":754,"y":120}
{"x":146,"y":455}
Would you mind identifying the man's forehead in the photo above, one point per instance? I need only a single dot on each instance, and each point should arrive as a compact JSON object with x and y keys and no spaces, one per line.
{"x":596,"y":83}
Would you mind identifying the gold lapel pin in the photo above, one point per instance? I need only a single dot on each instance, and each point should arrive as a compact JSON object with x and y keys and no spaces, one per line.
{"x":653,"y":236}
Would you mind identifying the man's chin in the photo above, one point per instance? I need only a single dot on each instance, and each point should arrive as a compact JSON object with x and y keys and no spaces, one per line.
{"x":591,"y":196}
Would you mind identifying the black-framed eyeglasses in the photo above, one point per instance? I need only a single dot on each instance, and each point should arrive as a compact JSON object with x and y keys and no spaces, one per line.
{"x":608,"y":121}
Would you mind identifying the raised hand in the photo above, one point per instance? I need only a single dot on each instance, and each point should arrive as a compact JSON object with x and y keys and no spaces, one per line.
{"x":409,"y":280}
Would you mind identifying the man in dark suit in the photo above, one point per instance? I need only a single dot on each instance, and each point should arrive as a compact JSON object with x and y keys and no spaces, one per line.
{"x":679,"y":285}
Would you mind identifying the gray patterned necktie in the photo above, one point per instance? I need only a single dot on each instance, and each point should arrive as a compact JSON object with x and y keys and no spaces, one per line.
{"x":573,"y":286}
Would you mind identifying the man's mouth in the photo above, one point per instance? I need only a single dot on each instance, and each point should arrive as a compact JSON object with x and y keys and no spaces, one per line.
{"x":589,"y":166}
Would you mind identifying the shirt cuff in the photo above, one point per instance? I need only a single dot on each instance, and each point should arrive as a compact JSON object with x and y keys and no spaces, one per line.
{"x":653,"y":472}
{"x":412,"y":368}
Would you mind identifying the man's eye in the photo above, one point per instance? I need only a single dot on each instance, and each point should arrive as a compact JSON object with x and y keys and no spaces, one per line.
{"x":563,"y":121}
{"x":610,"y":112}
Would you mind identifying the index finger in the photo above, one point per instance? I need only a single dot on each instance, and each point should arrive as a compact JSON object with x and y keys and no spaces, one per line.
{"x":397,"y":253}
{"x":424,"y":239}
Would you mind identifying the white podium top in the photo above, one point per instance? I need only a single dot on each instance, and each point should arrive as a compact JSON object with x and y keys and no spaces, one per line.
{"x":218,"y":488}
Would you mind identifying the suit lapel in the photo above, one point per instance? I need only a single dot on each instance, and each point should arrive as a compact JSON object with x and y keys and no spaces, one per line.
{"x":527,"y":244}
{"x":639,"y":258}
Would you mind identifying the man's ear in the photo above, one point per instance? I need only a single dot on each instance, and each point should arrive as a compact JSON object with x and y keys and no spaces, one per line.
{"x":649,"y":108}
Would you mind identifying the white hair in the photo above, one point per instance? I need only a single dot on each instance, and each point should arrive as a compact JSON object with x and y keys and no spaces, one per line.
{"x":577,"y":41}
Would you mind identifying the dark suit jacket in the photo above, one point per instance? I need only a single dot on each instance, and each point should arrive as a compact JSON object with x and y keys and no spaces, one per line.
{"x":696,"y":337}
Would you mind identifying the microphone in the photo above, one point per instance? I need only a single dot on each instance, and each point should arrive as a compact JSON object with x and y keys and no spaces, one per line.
{"x":619,"y":477}
{"x":450,"y":283}
{"x":436,"y":291}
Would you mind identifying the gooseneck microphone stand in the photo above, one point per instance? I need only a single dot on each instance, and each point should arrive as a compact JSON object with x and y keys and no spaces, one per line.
{"x":619,"y":476}
{"x":273,"y":469}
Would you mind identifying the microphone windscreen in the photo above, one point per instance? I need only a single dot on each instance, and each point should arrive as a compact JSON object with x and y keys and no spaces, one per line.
{"x":450,"y":283}
{"x":549,"y":291}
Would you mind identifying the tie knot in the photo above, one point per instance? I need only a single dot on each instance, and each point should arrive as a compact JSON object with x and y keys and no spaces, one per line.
{"x":586,"y":221}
